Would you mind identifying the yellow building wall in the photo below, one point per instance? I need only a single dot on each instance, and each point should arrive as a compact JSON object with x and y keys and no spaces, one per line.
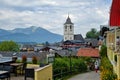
{"x":44,"y":73}
{"x":32,"y":66}
{"x":111,"y":38}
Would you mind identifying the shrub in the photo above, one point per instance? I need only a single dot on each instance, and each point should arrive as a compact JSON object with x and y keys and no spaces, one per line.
{"x":109,"y":76}
{"x":34,"y":60}
{"x":60,"y":62}
{"x":78,"y":65}
{"x":62,"y":65}
{"x":24,"y":58}
{"x":106,"y":67}
{"x":103,"y":51}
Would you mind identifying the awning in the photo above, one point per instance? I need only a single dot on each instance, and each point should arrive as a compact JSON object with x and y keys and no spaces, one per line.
{"x":115,"y":14}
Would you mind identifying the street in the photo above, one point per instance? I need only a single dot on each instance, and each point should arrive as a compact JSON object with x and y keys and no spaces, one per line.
{"x":87,"y":76}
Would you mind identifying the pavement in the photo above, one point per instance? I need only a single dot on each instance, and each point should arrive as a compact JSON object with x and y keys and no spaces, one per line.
{"x":19,"y":77}
{"x":84,"y":76}
{"x":87,"y":76}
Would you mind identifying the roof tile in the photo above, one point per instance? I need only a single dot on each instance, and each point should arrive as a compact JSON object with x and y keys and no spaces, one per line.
{"x":88,"y":52}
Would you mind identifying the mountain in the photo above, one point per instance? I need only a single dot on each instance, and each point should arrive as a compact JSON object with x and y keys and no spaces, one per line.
{"x":4,"y":32}
{"x":30,"y":34}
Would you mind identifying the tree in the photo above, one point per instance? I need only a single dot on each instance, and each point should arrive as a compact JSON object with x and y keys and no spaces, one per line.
{"x":9,"y":46}
{"x":93,"y":33}
{"x":47,"y":43}
{"x":103,"y":51}
{"x":103,"y":30}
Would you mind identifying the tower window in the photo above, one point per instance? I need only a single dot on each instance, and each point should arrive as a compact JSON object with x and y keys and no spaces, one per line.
{"x":65,"y":37}
{"x":70,"y":28}
{"x":65,"y":27}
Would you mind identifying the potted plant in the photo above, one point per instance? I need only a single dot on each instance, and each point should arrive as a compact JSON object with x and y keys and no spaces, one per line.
{"x":24,"y":58}
{"x":34,"y":60}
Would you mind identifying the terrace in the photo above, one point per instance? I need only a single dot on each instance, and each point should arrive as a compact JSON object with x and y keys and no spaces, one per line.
{"x":38,"y":73}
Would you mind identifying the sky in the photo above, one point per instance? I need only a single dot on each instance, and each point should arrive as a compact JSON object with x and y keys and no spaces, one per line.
{"x":52,"y":14}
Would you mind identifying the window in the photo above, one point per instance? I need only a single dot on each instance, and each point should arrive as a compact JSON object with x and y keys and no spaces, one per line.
{"x":70,"y":28}
{"x":65,"y":38}
{"x":65,"y":28}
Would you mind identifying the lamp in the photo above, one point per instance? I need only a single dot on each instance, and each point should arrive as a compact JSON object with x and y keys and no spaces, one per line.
{"x":70,"y":58}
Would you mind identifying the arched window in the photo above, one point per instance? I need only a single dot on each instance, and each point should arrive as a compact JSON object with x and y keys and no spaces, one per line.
{"x":65,"y":38}
{"x":65,"y":28}
{"x":70,"y":28}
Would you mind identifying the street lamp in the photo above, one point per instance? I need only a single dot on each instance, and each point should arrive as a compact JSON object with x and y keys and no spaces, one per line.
{"x":70,"y":59}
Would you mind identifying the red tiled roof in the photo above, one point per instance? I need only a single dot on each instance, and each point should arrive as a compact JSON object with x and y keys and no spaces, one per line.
{"x":88,"y":52}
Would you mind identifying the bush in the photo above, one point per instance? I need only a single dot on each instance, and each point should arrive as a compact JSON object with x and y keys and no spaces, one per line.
{"x":78,"y":65}
{"x":109,"y":76}
{"x":103,"y":51}
{"x":63,"y":65}
{"x":34,"y":60}
{"x":82,"y":66}
{"x":107,"y":70}
{"x":106,"y":67}
{"x":60,"y":64}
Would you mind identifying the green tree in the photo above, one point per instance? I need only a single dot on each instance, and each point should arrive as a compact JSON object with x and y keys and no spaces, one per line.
{"x":103,"y":51}
{"x":9,"y":46}
{"x":93,"y":33}
{"x":47,"y":43}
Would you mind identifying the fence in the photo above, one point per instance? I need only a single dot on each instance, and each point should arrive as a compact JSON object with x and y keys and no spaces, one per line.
{"x":61,"y":73}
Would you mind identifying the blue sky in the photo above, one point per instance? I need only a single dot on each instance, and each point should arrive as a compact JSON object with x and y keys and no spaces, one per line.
{"x":52,"y":14}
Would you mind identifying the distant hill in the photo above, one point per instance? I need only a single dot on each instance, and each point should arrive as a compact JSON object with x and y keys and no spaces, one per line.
{"x":30,"y":34}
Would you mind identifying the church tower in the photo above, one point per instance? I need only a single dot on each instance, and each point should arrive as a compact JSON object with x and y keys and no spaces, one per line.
{"x":68,"y":30}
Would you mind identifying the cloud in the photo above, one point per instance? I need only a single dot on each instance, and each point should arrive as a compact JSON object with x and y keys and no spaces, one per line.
{"x":51,"y":14}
